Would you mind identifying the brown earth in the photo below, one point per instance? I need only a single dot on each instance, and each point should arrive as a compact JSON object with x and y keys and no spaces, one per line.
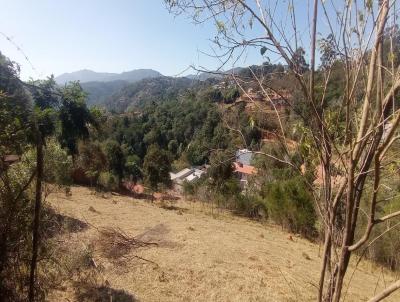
{"x":202,"y":254}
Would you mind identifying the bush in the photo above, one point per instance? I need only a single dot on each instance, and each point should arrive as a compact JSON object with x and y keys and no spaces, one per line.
{"x":290,"y":204}
{"x":108,"y":181}
{"x":58,"y":165}
{"x":91,"y":161}
{"x":385,"y":249}
{"x":188,"y":188}
{"x":252,"y":206}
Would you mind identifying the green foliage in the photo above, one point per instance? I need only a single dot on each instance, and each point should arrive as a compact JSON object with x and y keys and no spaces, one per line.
{"x":115,"y":158}
{"x":108,"y":181}
{"x":156,"y":168}
{"x":180,"y":163}
{"x":45,"y":93}
{"x":132,"y":167}
{"x":263,"y":50}
{"x":251,"y":205}
{"x":230,"y":187}
{"x":189,"y":126}
{"x":100,"y":92}
{"x":291,"y":205}
{"x":91,"y":160}
{"x":220,"y":171}
{"x":15,"y":234}
{"x":14,"y":125}
{"x":299,"y":63}
{"x":15,"y":189}
{"x":210,"y":94}
{"x":230,"y":95}
{"x":189,"y":188}
{"x":385,"y":244}
{"x":328,"y":50}
{"x":15,"y":110}
{"x":46,"y":121}
{"x":74,"y":117}
{"x":57,"y":164}
{"x":145,"y":92}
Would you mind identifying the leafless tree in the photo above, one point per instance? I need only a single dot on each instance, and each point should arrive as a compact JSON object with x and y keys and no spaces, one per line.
{"x":354,"y":159}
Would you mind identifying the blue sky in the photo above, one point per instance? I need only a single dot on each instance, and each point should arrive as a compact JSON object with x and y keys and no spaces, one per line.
{"x":116,"y":35}
{"x":102,"y":35}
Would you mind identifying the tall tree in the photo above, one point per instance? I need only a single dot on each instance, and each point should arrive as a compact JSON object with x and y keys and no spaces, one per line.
{"x":15,"y":134}
{"x":115,"y":158}
{"x":156,"y":168}
{"x":75,"y":117}
{"x":51,"y":105}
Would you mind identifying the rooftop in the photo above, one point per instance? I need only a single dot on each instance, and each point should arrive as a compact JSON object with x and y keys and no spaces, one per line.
{"x":244,"y":156}
{"x":245,"y":169}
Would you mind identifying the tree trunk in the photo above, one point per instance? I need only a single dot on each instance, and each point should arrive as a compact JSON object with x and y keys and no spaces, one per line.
{"x":36,"y":219}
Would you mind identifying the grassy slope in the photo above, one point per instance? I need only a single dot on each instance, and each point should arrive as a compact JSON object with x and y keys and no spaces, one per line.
{"x":204,"y":257}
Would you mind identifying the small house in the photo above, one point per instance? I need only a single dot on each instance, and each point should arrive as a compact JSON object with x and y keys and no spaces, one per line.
{"x":243,"y":168}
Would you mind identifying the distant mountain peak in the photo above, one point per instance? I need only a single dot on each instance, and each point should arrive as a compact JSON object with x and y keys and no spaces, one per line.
{"x":87,"y":75}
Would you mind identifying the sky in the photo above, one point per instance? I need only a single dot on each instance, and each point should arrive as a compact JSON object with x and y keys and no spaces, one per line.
{"x":102,"y":35}
{"x":59,"y":36}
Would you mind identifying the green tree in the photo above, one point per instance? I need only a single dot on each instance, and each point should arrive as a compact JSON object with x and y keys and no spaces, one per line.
{"x":15,"y":201}
{"x":156,"y":168}
{"x":74,"y":116}
{"x":221,"y":170}
{"x":132,"y":167}
{"x":115,"y":158}
{"x":290,"y":204}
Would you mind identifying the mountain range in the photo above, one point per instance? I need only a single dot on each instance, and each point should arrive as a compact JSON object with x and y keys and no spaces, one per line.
{"x":123,"y":91}
{"x":87,"y":75}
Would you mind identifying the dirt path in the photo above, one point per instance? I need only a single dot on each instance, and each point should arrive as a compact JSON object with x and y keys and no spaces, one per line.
{"x":206,"y":258}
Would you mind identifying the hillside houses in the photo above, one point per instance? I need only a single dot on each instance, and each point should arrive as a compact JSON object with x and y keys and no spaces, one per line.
{"x":243,"y":168}
{"x":270,"y":99}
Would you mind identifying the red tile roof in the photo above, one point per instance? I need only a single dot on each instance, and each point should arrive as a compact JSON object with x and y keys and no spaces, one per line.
{"x":245,"y":169}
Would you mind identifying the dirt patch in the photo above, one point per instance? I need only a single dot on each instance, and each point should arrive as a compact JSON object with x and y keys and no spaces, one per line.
{"x":157,"y":234}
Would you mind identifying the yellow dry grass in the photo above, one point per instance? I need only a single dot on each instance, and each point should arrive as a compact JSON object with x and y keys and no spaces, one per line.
{"x":204,"y":257}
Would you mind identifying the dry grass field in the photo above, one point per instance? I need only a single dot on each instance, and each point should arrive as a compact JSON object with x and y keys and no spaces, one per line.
{"x":200,"y":255}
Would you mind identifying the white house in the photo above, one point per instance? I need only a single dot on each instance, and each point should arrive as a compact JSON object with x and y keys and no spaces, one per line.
{"x":181,"y":175}
{"x":187,"y":174}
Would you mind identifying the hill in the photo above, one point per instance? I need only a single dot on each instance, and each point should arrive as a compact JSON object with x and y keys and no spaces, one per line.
{"x":99,"y":92}
{"x":201,"y":255}
{"x":147,"y":90}
{"x":86,"y":75}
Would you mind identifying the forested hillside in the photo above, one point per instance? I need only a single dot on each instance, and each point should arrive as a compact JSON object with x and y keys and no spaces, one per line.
{"x":100,"y":92}
{"x":146,"y":91}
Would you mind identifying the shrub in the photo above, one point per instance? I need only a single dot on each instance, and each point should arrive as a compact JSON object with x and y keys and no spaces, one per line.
{"x":188,"y":188}
{"x":58,"y":165}
{"x":290,"y":205}
{"x":108,"y":181}
{"x":252,"y":206}
{"x":385,"y":245}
